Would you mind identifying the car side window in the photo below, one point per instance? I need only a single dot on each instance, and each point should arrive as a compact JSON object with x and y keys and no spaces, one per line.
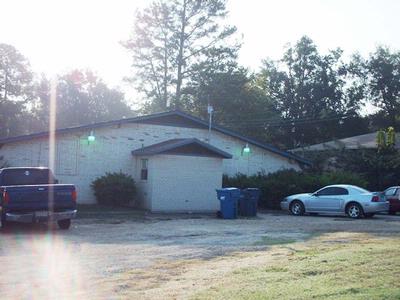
{"x":325,"y":192}
{"x":341,"y":191}
{"x":390,"y":192}
{"x":333,"y":191}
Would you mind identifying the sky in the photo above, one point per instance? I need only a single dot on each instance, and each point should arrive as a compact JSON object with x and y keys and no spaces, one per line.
{"x":60,"y":35}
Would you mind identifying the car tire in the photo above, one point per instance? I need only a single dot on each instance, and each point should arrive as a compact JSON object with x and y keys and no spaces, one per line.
{"x":354,"y":211}
{"x":64,"y":224}
{"x":391,"y":212}
{"x":297,"y":208}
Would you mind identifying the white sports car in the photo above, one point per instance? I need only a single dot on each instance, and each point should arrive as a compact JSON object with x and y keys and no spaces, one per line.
{"x":337,"y":199}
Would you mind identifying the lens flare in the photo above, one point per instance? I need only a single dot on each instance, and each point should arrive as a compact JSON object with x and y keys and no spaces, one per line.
{"x":52,"y":138}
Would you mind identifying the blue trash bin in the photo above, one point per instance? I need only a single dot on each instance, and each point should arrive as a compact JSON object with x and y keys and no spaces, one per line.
{"x":228,"y":198}
{"x":248,"y":202}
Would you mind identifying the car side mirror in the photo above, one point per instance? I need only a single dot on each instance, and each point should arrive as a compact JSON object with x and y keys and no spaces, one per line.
{"x":315,"y":194}
{"x":55,"y":181}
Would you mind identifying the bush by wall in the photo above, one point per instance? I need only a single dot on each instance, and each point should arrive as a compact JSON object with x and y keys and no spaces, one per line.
{"x":275,"y":186}
{"x":116,"y":189}
{"x":380,"y":167}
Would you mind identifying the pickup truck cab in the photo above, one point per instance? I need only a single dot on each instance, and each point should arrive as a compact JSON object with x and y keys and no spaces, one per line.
{"x":33,"y":195}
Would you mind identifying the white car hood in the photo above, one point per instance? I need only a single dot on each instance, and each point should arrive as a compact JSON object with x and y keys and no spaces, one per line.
{"x":299,"y":196}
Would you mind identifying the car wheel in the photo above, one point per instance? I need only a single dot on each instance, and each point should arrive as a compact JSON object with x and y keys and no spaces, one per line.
{"x":297,"y":208}
{"x":392,"y":212}
{"x":64,"y":224}
{"x":354,"y":211}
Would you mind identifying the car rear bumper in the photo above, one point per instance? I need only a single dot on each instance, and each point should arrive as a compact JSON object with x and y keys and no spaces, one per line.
{"x":40,"y":216}
{"x":376,"y":207}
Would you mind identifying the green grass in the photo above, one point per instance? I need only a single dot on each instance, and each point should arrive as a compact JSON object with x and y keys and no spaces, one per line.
{"x":360,"y":269}
{"x":270,"y":241}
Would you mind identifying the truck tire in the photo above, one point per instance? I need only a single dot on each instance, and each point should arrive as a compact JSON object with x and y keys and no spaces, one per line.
{"x":64,"y":224}
{"x":3,"y":222}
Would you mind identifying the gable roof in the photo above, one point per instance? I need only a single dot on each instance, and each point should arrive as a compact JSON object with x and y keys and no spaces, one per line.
{"x":174,"y":145}
{"x":175,"y":118}
{"x":367,"y":141}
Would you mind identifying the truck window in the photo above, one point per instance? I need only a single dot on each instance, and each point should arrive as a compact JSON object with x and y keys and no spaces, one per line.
{"x":26,"y":177}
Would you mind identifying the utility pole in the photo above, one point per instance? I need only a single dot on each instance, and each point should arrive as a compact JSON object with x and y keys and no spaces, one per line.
{"x":210,"y":110}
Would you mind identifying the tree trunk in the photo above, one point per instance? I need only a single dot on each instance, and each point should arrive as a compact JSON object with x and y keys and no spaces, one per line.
{"x":5,"y":87}
{"x":165,"y":83}
{"x":180,"y":57}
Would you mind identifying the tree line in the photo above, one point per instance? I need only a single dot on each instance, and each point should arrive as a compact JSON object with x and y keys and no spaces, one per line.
{"x":185,"y":56}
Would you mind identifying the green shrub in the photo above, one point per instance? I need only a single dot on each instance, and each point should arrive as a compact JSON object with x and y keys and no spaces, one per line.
{"x":116,"y":189}
{"x":379,"y":167}
{"x":343,"y":177}
{"x":275,"y":186}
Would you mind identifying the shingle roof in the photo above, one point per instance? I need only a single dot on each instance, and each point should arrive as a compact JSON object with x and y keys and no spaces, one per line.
{"x":159,"y":118}
{"x":175,"y":144}
{"x":354,"y":142}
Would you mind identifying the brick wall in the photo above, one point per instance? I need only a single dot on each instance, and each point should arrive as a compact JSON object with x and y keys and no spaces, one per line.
{"x":80,"y":163}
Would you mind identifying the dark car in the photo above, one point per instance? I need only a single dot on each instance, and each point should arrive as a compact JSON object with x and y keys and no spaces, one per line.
{"x":34,"y":195}
{"x":393,"y":196}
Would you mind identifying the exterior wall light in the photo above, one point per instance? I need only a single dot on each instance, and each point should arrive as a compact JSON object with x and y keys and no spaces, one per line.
{"x":91,"y":137}
{"x":246,"y":149}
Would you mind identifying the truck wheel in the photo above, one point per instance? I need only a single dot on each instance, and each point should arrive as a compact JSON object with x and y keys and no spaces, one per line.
{"x":64,"y":224}
{"x":3,"y":222}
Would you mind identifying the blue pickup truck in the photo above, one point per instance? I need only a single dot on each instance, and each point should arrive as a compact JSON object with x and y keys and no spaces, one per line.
{"x":33,"y":195}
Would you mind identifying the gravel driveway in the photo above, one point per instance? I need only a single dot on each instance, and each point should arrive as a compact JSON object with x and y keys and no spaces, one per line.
{"x":91,"y":260}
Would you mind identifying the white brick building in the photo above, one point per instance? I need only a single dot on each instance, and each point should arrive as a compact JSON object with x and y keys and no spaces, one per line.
{"x":183,"y":178}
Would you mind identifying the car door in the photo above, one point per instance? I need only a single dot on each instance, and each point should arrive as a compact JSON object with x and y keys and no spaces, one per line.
{"x":392,"y":195}
{"x":329,"y":199}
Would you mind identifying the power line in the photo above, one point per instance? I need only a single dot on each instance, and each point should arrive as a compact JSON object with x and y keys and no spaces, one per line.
{"x":293,"y":122}
{"x":287,"y":120}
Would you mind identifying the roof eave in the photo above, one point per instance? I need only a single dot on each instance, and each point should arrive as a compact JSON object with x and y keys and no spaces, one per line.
{"x":162,"y":114}
{"x":144,"y":152}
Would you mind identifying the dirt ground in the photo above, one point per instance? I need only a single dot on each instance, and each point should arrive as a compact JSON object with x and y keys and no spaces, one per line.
{"x":156,"y":256}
